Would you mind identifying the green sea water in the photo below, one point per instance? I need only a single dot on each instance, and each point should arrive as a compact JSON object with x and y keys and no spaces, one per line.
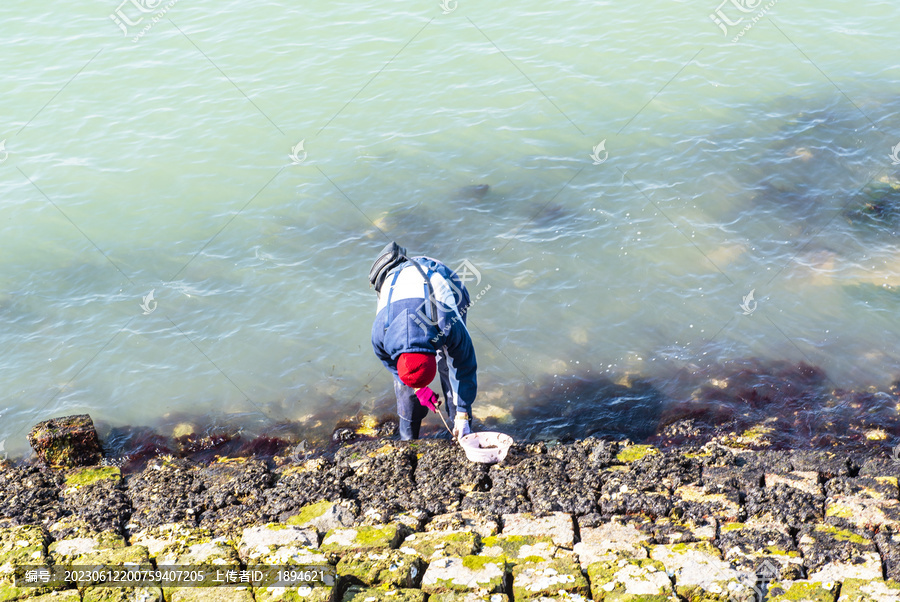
{"x":650,"y":166}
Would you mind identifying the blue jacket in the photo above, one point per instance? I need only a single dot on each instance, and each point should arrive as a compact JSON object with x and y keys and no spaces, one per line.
{"x":405,"y":322}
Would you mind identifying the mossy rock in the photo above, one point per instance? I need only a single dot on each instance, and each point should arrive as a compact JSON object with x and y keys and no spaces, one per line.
{"x":630,"y":580}
{"x":374,"y":537}
{"x":81,"y":477}
{"x":121,"y":594}
{"x":210,"y":594}
{"x":843,"y":535}
{"x":469,"y":597}
{"x":437,"y":544}
{"x":548,"y":578}
{"x":66,"y":595}
{"x":633,"y":453}
{"x":66,"y":442}
{"x":389,"y":568}
{"x":519,"y":548}
{"x":65,"y":551}
{"x":802,"y":591}
{"x":867,"y":590}
{"x":357,"y":593}
{"x":481,"y":574}
{"x":21,"y":546}
{"x":292,"y":594}
{"x":170,"y":539}
{"x":310,"y":512}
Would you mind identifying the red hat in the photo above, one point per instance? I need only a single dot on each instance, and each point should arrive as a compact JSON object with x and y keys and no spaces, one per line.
{"x":416,"y":370}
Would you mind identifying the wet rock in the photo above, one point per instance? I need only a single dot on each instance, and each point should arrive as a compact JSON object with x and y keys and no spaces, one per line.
{"x":515,"y":549}
{"x":167,"y":491}
{"x":874,"y":590}
{"x":783,"y":504}
{"x":764,"y":549}
{"x":829,"y":551}
{"x":96,"y":496}
{"x":30,"y":495}
{"x":719,"y":501}
{"x":624,"y":493}
{"x":379,"y":474}
{"x":556,"y":577}
{"x":630,"y":579}
{"x":439,"y":544}
{"x":233,"y":492}
{"x":548,"y":486}
{"x":828,"y":464}
{"x":888,"y":543}
{"x":465,"y":520}
{"x":324,"y":516}
{"x":358,"y":593}
{"x":388,"y":568}
{"x":482,"y":575}
{"x":66,"y":441}
{"x":791,"y":591}
{"x":673,"y":530}
{"x":807,"y":481}
{"x":876,"y":488}
{"x":443,"y":475}
{"x":364,"y":538}
{"x":610,"y":541}
{"x":558,"y":526}
{"x":301,"y":485}
{"x":700,"y":573}
{"x":880,"y":467}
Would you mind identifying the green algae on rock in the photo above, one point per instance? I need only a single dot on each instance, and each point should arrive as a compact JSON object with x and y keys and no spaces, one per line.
{"x":802,"y":591}
{"x":519,"y":548}
{"x":389,"y":568}
{"x":633,"y":453}
{"x":358,"y":593}
{"x":869,"y":590}
{"x":438,"y":544}
{"x":372,"y":537}
{"x":87,"y":476}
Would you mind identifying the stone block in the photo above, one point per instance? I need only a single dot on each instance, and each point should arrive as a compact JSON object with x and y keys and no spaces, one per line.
{"x":438,"y":544}
{"x":210,"y":594}
{"x":803,"y":480}
{"x":479,"y":574}
{"x":372,"y":537}
{"x":806,"y":591}
{"x":465,"y":520}
{"x":389,"y":568}
{"x":358,"y":593}
{"x":519,"y":548}
{"x":863,"y":512}
{"x":629,"y":579}
{"x":872,"y":590}
{"x":323,"y":517}
{"x":610,"y":540}
{"x":549,"y":578}
{"x":700,"y":573}
{"x":557,"y":525}
{"x":275,"y":535}
{"x":66,"y":442}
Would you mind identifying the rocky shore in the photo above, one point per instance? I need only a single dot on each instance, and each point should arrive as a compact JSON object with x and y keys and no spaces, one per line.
{"x":592,"y":519}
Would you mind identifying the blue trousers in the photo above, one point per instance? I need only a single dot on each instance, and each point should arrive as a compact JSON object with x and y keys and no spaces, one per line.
{"x":411,"y":412}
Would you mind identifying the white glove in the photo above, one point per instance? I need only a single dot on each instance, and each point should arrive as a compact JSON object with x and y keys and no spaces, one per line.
{"x":461,"y":425}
